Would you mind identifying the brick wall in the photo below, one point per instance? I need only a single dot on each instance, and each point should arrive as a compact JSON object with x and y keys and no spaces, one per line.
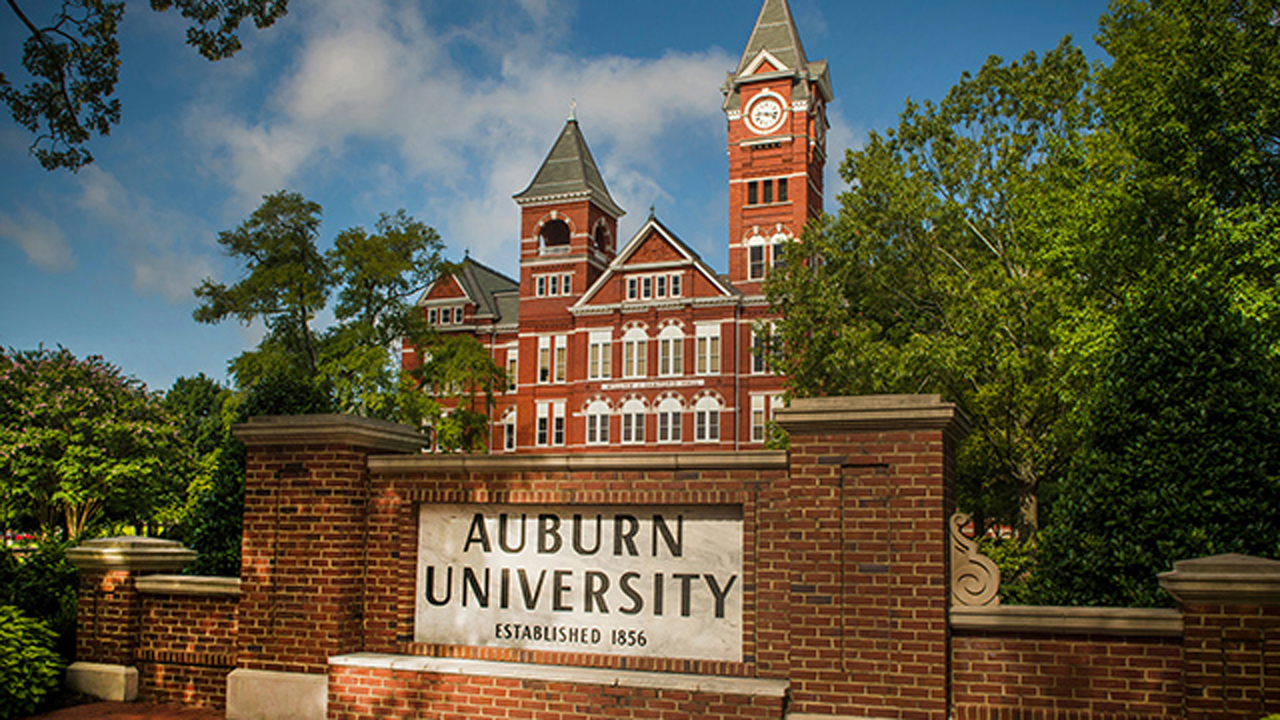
{"x":107,"y":617}
{"x":1232,"y":662}
{"x":186,"y":647}
{"x":846,"y":608}
{"x":370,"y":693}
{"x":1065,"y":677}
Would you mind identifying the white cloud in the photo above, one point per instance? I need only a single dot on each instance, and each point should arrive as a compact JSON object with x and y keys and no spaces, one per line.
{"x":39,"y":238}
{"x":470,"y":111}
{"x":157,"y":243}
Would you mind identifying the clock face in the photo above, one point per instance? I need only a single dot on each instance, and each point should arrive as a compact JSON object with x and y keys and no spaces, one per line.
{"x":765,"y":114}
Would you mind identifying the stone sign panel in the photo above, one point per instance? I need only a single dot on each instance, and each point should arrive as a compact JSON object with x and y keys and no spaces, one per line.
{"x":648,"y":581}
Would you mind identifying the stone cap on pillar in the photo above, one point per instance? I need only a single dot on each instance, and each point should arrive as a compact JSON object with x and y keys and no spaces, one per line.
{"x":872,"y":413}
{"x":130,"y":553}
{"x":1224,"y":580}
{"x":330,"y":430}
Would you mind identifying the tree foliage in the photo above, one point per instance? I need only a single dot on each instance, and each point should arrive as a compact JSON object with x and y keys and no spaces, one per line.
{"x":375,"y":277}
{"x":29,"y":668}
{"x":73,"y":60}
{"x":934,"y":275}
{"x":80,"y":443}
{"x":1181,"y":457}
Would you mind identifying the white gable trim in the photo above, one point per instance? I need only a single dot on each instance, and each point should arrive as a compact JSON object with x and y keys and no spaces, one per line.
{"x":423,"y":301}
{"x":761,"y":57}
{"x":619,"y":263}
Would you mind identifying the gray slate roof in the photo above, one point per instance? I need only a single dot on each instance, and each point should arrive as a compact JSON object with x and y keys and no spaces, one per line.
{"x":570,"y":171}
{"x":775,"y":31}
{"x":482,"y":284}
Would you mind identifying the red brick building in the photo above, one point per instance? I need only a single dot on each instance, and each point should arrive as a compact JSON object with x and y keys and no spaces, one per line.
{"x":644,"y":346}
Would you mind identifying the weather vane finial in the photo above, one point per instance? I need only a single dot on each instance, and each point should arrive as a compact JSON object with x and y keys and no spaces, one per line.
{"x":573,"y":110}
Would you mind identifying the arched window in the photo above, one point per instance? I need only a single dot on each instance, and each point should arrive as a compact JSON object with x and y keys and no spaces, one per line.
{"x":670,"y":420}
{"x":598,"y":423}
{"x":635,"y":353}
{"x":706,"y":420}
{"x":671,"y":351}
{"x":633,"y":412}
{"x":555,"y":233}
{"x":509,"y":430}
{"x":600,"y":239}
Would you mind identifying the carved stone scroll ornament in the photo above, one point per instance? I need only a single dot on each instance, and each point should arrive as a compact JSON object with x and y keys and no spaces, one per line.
{"x":975,"y":579}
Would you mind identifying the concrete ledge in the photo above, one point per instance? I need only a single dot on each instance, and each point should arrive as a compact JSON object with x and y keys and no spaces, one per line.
{"x":557,"y":673}
{"x":1141,"y":622}
{"x":188,"y":585}
{"x":329,"y":430}
{"x":117,"y":683}
{"x":266,"y":695}
{"x":1224,"y":580}
{"x":871,"y":413}
{"x":130,"y":553}
{"x":635,"y":462}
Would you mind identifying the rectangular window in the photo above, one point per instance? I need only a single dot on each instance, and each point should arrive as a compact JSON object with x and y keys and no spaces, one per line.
{"x":671,"y":356}
{"x":433,"y":316}
{"x":513,"y":370}
{"x":782,"y":190}
{"x":646,"y":288}
{"x":757,"y":418}
{"x":566,"y":284}
{"x":562,"y":357}
{"x":509,"y":433}
{"x":633,"y":286}
{"x":707,"y":426}
{"x":598,"y":429}
{"x":544,"y":360}
{"x":633,"y":428}
{"x":768,"y":192}
{"x":540,"y":285}
{"x":600,"y":357}
{"x":755,"y":262}
{"x":554,"y":286}
{"x":662,"y":286}
{"x":675,"y":286}
{"x":544,"y":424}
{"x":635,"y":360}
{"x":557,"y":437}
{"x":708,"y":350}
{"x":759,"y":346}
{"x":753,"y":193}
{"x":669,"y":427}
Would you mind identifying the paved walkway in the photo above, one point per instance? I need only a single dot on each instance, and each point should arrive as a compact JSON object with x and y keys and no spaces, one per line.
{"x":131,"y":711}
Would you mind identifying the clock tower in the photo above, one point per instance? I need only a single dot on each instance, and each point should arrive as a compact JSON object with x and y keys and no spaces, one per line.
{"x":775,"y":103}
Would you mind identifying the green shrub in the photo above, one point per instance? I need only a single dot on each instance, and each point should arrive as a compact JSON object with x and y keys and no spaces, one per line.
{"x":43,"y":585}
{"x":1180,"y":457}
{"x":29,"y":667}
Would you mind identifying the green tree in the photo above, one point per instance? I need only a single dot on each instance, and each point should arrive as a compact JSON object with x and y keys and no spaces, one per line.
{"x":1181,"y":457}
{"x":73,"y":61}
{"x":286,"y":282}
{"x":376,"y":278}
{"x":379,"y":277}
{"x":82,"y":444}
{"x":936,"y":274}
{"x":460,"y":369}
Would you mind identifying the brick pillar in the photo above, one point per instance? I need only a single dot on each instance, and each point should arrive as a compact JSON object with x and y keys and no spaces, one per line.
{"x":1231,"y":641}
{"x":108,"y":616}
{"x":869,"y":494}
{"x":302,"y":556}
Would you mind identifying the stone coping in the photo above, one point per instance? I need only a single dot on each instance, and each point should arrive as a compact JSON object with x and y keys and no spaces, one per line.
{"x":1224,"y":580}
{"x":188,"y":585}
{"x":329,"y":430}
{"x":1144,"y":622}
{"x":871,"y":413}
{"x":564,"y":674}
{"x":622,"y":462}
{"x":130,"y":553}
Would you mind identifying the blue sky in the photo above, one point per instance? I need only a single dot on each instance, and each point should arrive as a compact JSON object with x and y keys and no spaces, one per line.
{"x":441,"y":107}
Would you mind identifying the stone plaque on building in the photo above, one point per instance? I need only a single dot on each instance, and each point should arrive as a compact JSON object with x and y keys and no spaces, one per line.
{"x":650,"y":581}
